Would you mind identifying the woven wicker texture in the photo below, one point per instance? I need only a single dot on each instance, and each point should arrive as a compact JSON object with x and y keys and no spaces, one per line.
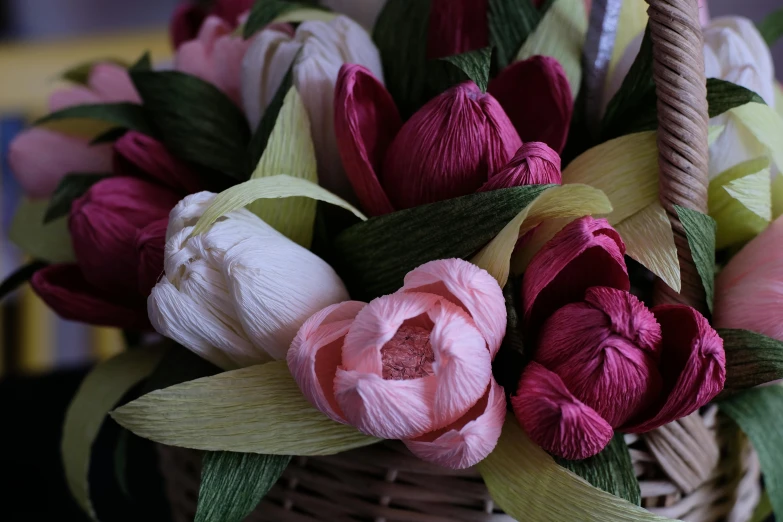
{"x":698,"y":469}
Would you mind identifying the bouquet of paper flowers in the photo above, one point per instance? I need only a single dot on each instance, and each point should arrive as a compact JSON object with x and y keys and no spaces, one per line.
{"x":427,"y":260}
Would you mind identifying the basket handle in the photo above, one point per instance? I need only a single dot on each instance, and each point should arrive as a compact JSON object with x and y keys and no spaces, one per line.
{"x":683,"y":118}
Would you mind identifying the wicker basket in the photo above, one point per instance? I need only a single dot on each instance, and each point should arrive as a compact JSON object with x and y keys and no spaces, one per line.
{"x":698,"y":469}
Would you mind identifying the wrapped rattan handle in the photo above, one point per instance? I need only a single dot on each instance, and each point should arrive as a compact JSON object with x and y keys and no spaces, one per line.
{"x":682,"y":129}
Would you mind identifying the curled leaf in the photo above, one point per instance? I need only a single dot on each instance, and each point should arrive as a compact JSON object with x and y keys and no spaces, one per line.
{"x":765,"y":124}
{"x":49,"y":242}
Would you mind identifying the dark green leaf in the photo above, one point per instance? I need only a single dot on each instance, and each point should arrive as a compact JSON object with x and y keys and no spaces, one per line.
{"x":401,"y":37}
{"x":197,"y":121}
{"x":261,"y":136}
{"x":232,"y":484}
{"x":265,"y":11}
{"x":474,"y":64}
{"x":723,"y":96}
{"x":700,"y":230}
{"x":758,"y":412}
{"x":751,"y":359}
{"x":511,"y":22}
{"x":771,"y":27}
{"x":110,"y":136}
{"x":125,"y":115}
{"x":142,"y":64}
{"x":610,"y":470}
{"x":637,"y":92}
{"x":80,"y":74}
{"x":72,"y":186}
{"x":21,"y":276}
{"x":375,"y":255}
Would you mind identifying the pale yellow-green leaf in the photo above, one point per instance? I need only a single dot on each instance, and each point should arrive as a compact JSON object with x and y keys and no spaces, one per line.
{"x":625,"y":169}
{"x":740,"y":201}
{"x":536,"y":239}
{"x":100,"y":391}
{"x":289,"y":151}
{"x":561,"y":35}
{"x":649,"y":239}
{"x":553,"y":203}
{"x":777,"y":195}
{"x":633,"y":19}
{"x":766,"y":125}
{"x":714,"y":132}
{"x":763,"y":509}
{"x":304,"y":14}
{"x":526,"y":483}
{"x":259,"y":409}
{"x":280,"y":186}
{"x":50,"y":242}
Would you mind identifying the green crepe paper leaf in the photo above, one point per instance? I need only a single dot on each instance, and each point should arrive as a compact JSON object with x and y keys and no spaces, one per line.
{"x":71,"y":187}
{"x":100,"y":391}
{"x":763,"y":509}
{"x":758,"y":412}
{"x":510,"y":24}
{"x":611,"y":470}
{"x":126,"y":115}
{"x":232,"y":484}
{"x":722,"y":96}
{"x":272,"y":187}
{"x":752,"y":359}
{"x":80,"y":74}
{"x":49,"y":242}
{"x":259,"y":409}
{"x":374,"y":256}
{"x":400,"y":34}
{"x":261,"y":135}
{"x":110,"y":136}
{"x":526,"y":483}
{"x":144,"y":63}
{"x":197,"y":121}
{"x":289,"y":150}
{"x":264,"y":13}
{"x":474,"y":64}
{"x":19,"y":277}
{"x":771,"y":28}
{"x":700,"y":230}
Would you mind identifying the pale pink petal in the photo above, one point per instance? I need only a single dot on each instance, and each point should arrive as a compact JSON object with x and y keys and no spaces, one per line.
{"x":462,"y":363}
{"x":587,"y":252}
{"x":554,"y":419}
{"x":39,"y":158}
{"x":693,"y":366}
{"x":72,"y":96}
{"x":316,"y":352}
{"x":185,"y":22}
{"x":389,"y":409}
{"x":227,"y":57}
{"x":365,"y":123}
{"x":112,"y":84}
{"x":765,"y":250}
{"x":197,"y":57}
{"x":376,"y":324}
{"x":470,"y":439}
{"x":468,"y":286}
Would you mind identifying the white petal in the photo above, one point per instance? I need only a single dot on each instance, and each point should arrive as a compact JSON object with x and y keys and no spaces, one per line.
{"x":735,"y":145}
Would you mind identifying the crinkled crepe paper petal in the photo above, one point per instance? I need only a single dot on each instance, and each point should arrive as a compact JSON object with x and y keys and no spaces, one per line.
{"x":553,"y":203}
{"x":535,"y":241}
{"x":561,"y":35}
{"x":280,"y":186}
{"x":50,"y":242}
{"x":100,"y":391}
{"x":740,"y":201}
{"x":649,"y":239}
{"x":766,"y":125}
{"x":625,"y":169}
{"x":304,"y":14}
{"x":289,"y":150}
{"x":527,"y":484}
{"x":259,"y":409}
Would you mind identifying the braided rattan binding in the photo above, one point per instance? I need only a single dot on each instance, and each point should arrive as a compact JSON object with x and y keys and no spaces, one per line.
{"x":698,"y":469}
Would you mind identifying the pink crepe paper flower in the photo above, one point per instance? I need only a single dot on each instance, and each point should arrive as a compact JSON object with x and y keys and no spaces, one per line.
{"x":533,"y":164}
{"x":749,"y":290}
{"x":603,"y":360}
{"x":39,"y":158}
{"x":190,"y":15}
{"x":414,"y":365}
{"x":215,"y":56}
{"x":451,"y":147}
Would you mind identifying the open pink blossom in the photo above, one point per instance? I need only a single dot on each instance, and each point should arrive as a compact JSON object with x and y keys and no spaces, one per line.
{"x":190,"y":15}
{"x":414,"y":365}
{"x":749,"y":290}
{"x":39,"y":158}
{"x":604,"y":361}
{"x":451,"y":147}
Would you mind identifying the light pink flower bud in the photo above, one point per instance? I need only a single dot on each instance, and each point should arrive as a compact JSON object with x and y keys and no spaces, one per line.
{"x":414,"y":365}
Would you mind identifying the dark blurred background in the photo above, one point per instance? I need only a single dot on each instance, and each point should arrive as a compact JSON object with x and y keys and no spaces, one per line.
{"x":43,"y":358}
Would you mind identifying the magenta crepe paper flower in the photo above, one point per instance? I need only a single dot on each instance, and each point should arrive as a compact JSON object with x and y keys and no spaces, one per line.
{"x":190,"y":15}
{"x":39,"y":158}
{"x":749,"y":289}
{"x":603,"y":361}
{"x":414,"y":365}
{"x":118,"y":231}
{"x":454,"y":145}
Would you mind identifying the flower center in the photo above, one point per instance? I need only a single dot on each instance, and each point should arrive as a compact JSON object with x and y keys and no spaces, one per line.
{"x":408,"y":355}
